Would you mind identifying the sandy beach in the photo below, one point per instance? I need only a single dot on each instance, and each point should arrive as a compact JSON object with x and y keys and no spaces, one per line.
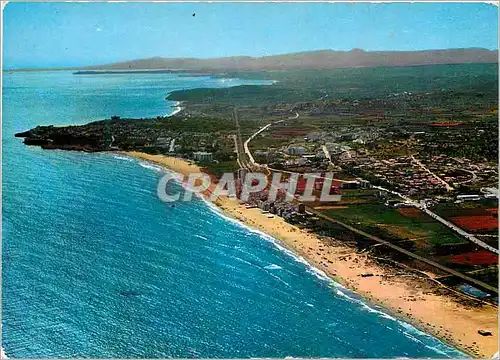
{"x":178,"y":108}
{"x":414,"y":299}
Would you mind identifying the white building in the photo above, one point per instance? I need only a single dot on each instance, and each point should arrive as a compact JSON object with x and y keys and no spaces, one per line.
{"x":203,"y":156}
{"x":296,"y":150}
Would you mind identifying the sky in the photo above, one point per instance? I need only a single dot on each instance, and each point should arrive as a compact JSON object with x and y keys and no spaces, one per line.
{"x":77,"y":34}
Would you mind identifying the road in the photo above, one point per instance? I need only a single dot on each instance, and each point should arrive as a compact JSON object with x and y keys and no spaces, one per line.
{"x":473,"y":179}
{"x":245,"y":144}
{"x":466,"y":278}
{"x":254,"y":163}
{"x":327,"y":154}
{"x":329,"y":157}
{"x":241,"y":159}
{"x":237,"y":151}
{"x":465,"y":234}
{"x":264,"y":128}
{"x":446,"y":185}
{"x":422,"y":207}
{"x":435,"y":216}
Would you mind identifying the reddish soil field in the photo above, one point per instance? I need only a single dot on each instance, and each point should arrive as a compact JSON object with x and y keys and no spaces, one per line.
{"x":466,"y":212}
{"x":492,"y":212}
{"x":481,"y":257}
{"x":474,"y":223}
{"x":446,"y":124}
{"x":337,"y":183}
{"x":289,"y":132}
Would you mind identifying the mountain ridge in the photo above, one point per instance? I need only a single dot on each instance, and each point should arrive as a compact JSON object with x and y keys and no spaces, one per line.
{"x":318,"y":59}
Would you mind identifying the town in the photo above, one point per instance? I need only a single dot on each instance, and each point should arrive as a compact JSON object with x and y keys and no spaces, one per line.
{"x":416,"y":172}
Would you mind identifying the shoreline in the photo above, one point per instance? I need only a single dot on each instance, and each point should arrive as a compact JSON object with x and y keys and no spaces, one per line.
{"x":411,"y":299}
{"x":177,"y":108}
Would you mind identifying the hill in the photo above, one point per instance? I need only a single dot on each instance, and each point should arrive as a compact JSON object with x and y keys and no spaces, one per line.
{"x":322,"y":59}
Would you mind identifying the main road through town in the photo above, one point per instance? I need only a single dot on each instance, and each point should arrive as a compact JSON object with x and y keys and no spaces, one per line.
{"x":252,"y":164}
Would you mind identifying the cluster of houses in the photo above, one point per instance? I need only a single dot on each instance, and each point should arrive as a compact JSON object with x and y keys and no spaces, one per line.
{"x":292,"y":213}
{"x":460,"y":170}
{"x":403,"y":175}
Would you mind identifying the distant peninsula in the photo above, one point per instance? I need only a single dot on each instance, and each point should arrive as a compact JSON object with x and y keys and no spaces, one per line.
{"x":183,"y":73}
{"x":321,"y":59}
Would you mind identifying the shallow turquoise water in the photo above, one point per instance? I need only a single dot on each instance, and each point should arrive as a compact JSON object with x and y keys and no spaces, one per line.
{"x":95,"y":265}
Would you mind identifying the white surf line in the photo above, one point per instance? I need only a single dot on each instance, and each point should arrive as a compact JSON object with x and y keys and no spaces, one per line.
{"x":310,"y":268}
{"x":177,"y":108}
{"x":340,"y":289}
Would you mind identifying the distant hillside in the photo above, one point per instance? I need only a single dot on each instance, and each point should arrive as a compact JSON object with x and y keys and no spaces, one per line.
{"x":322,"y":59}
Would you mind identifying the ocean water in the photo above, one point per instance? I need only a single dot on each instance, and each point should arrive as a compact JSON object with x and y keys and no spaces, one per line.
{"x":95,"y":265}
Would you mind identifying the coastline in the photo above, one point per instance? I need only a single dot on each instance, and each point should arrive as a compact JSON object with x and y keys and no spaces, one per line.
{"x":410,"y":299}
{"x":177,"y":108}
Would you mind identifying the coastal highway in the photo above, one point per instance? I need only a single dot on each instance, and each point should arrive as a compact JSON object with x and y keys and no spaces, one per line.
{"x":448,"y":270}
{"x":466,"y":278}
{"x":237,"y":151}
{"x":435,"y":216}
{"x":264,"y":128}
{"x":245,"y":145}
{"x":241,"y":158}
{"x":465,"y":234}
{"x":416,"y":204}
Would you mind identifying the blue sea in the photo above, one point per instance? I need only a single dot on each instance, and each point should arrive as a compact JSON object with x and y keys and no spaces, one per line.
{"x":95,"y":265}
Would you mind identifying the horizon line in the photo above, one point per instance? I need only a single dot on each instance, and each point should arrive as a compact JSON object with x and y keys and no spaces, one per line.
{"x":76,"y":67}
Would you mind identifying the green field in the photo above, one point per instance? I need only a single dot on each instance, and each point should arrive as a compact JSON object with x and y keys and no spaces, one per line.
{"x":220,"y":168}
{"x":468,"y":208}
{"x":355,"y":83}
{"x":394,"y":224}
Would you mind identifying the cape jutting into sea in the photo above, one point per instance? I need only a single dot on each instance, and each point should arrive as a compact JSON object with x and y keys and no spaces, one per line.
{"x":95,"y":265}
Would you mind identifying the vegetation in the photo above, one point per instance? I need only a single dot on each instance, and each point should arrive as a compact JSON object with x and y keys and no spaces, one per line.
{"x":308,"y":85}
{"x":374,"y":124}
{"x":391,"y":223}
{"x":219,"y":168}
